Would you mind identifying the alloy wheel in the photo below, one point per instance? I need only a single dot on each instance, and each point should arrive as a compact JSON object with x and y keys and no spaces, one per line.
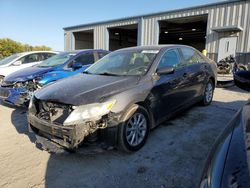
{"x":209,"y":92}
{"x":136,"y":129}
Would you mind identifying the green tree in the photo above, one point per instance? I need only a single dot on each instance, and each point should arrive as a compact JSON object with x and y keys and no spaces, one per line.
{"x":9,"y":47}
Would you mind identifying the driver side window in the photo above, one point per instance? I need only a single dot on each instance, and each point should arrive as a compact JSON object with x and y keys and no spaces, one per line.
{"x":85,"y":59}
{"x":170,"y":58}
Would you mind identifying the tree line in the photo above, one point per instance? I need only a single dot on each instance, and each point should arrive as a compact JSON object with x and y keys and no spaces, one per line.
{"x":9,"y":47}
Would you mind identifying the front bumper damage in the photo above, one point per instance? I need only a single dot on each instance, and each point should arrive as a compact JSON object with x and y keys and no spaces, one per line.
{"x":71,"y":136}
{"x":13,"y":96}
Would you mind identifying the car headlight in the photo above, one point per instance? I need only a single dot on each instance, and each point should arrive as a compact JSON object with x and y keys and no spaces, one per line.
{"x":91,"y":111}
{"x":18,"y":84}
{"x":31,"y":101}
{"x":1,"y":79}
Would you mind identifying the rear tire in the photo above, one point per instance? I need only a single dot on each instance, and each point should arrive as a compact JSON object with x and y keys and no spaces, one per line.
{"x":208,"y":93}
{"x":133,"y":132}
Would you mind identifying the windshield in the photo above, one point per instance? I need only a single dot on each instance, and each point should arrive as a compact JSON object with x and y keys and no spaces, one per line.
{"x":58,"y":59}
{"x":124,"y":63}
{"x":9,"y":59}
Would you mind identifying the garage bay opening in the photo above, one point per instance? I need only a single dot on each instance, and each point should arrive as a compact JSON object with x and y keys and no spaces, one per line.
{"x":122,"y":36}
{"x":189,"y":31}
{"x":84,"y":39}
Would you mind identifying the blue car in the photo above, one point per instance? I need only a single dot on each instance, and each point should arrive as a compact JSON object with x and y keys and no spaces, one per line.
{"x":18,"y":87}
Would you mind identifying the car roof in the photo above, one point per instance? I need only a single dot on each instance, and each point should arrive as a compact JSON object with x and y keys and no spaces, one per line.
{"x":33,"y":52}
{"x":85,"y":50}
{"x":155,"y":47}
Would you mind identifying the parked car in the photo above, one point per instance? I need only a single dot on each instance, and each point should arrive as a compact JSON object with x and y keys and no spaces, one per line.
{"x":18,"y":87}
{"x":228,"y":163}
{"x":242,"y":79}
{"x":19,"y":61}
{"x":122,"y":96}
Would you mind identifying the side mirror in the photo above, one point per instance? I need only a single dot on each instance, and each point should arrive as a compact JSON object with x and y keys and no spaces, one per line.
{"x":76,"y":65}
{"x":242,"y":80}
{"x":17,"y":63}
{"x":165,"y":70}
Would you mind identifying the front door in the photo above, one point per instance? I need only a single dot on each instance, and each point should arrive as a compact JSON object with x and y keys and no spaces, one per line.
{"x":169,"y":89}
{"x":227,"y":47}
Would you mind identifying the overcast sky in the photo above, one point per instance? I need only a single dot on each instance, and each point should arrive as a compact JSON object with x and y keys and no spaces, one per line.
{"x":40,"y":22}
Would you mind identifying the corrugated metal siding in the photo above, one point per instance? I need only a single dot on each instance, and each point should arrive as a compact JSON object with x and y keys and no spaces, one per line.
{"x":67,"y":41}
{"x":233,"y":14}
{"x":229,"y":14}
{"x":101,"y":33}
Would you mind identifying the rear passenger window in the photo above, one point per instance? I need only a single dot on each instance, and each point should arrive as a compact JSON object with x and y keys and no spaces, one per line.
{"x":170,"y":58}
{"x":190,"y":56}
{"x":45,"y":56}
{"x":201,"y":59}
{"x":30,"y":58}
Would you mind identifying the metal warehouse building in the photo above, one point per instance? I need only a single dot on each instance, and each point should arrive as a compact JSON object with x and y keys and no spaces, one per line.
{"x":221,"y":28}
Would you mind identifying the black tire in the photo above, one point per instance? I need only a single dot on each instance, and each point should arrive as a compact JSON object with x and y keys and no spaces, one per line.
{"x":206,"y":100}
{"x":123,"y":141}
{"x":242,"y":80}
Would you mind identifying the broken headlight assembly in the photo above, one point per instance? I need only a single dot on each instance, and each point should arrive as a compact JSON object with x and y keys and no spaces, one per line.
{"x":19,"y":85}
{"x":1,"y":79}
{"x":31,"y":102}
{"x":29,"y":85}
{"x":91,"y":111}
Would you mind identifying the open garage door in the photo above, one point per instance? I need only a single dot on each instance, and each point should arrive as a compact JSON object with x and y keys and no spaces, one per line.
{"x":84,"y":39}
{"x":189,"y":31}
{"x":123,"y":36}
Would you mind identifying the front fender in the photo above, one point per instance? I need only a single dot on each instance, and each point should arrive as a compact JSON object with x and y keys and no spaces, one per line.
{"x":126,"y":99}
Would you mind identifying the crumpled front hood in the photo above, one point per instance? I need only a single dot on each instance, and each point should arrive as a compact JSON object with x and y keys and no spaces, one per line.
{"x":84,"y":89}
{"x":27,"y":74}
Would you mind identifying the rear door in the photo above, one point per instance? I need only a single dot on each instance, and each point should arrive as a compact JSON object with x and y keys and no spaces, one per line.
{"x":27,"y":61}
{"x":196,"y":71}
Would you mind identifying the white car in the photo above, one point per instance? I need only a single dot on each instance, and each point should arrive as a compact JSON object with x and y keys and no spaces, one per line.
{"x":19,"y":61}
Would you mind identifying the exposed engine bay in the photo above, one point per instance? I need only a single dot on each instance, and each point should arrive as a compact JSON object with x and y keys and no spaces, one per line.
{"x":47,"y":118}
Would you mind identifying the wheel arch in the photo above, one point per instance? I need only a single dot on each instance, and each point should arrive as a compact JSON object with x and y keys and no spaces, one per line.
{"x":145,"y":105}
{"x":213,"y":80}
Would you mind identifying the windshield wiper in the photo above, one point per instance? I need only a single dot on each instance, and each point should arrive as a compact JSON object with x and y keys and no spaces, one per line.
{"x":86,"y":72}
{"x":107,"y":74}
{"x":101,"y":73}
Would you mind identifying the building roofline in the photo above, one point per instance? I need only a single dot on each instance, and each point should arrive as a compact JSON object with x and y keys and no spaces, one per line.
{"x":148,"y":15}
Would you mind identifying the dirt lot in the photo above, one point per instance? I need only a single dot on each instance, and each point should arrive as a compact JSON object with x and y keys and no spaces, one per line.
{"x":173,"y":156}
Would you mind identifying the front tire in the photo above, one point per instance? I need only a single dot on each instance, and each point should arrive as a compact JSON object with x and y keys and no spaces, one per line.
{"x":208,"y":93}
{"x":133,"y":132}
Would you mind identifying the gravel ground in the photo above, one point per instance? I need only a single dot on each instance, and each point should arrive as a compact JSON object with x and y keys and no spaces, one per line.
{"x":173,"y":156}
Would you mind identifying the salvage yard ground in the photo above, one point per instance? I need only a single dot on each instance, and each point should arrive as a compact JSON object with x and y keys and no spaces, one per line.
{"x":172,"y":157}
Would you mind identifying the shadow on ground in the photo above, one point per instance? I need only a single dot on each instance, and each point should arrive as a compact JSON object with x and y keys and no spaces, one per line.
{"x":173,"y":156}
{"x":19,"y":120}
